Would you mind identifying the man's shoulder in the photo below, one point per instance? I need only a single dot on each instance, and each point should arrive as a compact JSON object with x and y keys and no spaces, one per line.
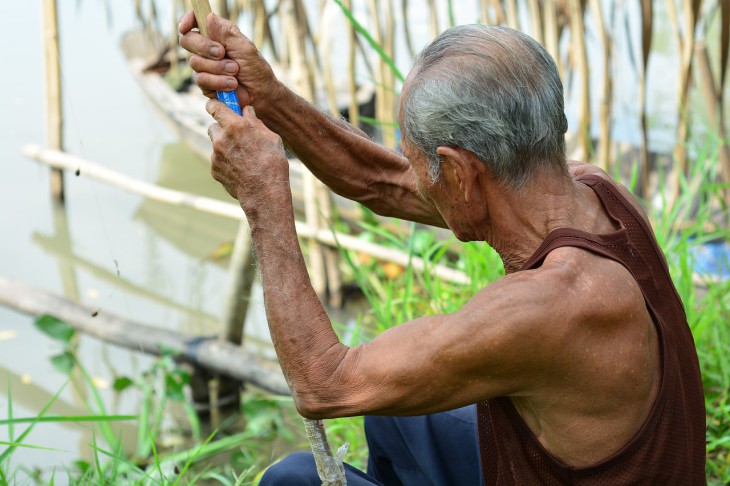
{"x":595,"y":288}
{"x":581,"y":169}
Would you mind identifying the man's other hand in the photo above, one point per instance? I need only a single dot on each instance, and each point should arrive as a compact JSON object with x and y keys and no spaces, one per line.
{"x":248,"y":159}
{"x":227,"y":61}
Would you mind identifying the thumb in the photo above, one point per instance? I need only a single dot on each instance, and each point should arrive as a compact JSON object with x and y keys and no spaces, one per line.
{"x":226,"y":32}
{"x":222,"y":114}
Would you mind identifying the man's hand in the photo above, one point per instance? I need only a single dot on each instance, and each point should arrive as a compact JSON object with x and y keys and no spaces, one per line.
{"x":227,"y":61}
{"x":248,"y":159}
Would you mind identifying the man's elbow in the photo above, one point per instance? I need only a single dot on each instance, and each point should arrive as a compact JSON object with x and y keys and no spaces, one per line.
{"x":319,"y":405}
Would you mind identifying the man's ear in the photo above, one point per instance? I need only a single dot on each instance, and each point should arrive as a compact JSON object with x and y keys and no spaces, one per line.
{"x":457,"y":161}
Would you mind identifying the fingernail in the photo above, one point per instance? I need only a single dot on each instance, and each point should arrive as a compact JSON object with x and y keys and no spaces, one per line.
{"x":214,"y":51}
{"x":231,"y":67}
{"x":229,"y":84}
{"x":251,"y":110}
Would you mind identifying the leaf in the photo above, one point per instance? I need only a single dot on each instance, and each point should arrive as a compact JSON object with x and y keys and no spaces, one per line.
{"x":67,"y":418}
{"x":122,"y":383}
{"x":63,"y":362}
{"x":55,"y":328}
{"x":29,"y":446}
{"x":82,"y":466}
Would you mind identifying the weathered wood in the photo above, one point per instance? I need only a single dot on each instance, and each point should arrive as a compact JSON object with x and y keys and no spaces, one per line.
{"x":54,"y":119}
{"x":210,"y":353}
{"x":66,"y":161}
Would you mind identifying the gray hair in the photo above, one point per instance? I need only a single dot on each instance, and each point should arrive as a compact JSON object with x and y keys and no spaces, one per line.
{"x":493,"y":91}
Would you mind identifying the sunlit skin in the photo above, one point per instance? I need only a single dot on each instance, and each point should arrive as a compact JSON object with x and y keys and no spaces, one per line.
{"x":571,"y":343}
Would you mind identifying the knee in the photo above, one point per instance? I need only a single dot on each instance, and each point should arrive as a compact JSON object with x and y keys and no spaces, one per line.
{"x":295,"y":469}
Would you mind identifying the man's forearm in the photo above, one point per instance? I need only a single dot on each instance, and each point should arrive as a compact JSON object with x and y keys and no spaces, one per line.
{"x":308,"y":348}
{"x":346,"y":160}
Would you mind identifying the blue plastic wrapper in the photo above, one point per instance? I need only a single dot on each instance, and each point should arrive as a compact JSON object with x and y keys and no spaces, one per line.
{"x":231,"y":100}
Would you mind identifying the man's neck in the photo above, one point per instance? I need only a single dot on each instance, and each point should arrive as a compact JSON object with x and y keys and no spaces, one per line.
{"x":519,"y":223}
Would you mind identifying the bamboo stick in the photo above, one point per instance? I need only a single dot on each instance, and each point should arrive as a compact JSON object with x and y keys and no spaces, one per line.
{"x":209,"y":353}
{"x":54,"y":108}
{"x":406,"y":29}
{"x":724,"y":48}
{"x":647,"y":18}
{"x":550,"y":14}
{"x":304,"y":87}
{"x":712,"y":100}
{"x":433,"y":15}
{"x":498,"y":12}
{"x":535,"y":20}
{"x":604,"y":143}
{"x":577,"y":33}
{"x":241,"y":275}
{"x":64,"y":161}
{"x":351,"y":70}
{"x":513,"y":20}
{"x":484,"y":13}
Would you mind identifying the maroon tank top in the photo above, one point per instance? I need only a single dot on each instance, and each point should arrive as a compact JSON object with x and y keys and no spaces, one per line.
{"x":669,"y":448}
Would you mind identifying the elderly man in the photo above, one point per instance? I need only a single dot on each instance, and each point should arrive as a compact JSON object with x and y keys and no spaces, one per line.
{"x":580,"y":360}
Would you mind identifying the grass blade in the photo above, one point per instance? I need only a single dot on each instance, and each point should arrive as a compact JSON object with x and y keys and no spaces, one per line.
{"x":378,"y":48}
{"x":7,"y":452}
{"x":69,"y":418}
{"x":30,"y":446}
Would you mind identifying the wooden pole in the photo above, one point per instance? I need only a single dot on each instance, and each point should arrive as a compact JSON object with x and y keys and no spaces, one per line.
{"x":578,"y":41}
{"x":241,"y":275}
{"x":712,"y":100}
{"x":210,"y":353}
{"x":604,"y":143}
{"x":61,"y":160}
{"x":54,"y":117}
{"x":647,"y":19}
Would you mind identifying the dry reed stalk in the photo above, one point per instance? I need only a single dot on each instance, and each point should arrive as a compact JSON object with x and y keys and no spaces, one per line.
{"x":325,"y":236}
{"x":434,"y":18}
{"x":241,"y":275}
{"x":323,"y":41}
{"x":303,"y":86}
{"x":550,"y":16}
{"x":406,"y":29}
{"x":535,"y":20}
{"x":499,"y":14}
{"x":577,"y":33}
{"x":712,"y":99}
{"x":390,"y":136}
{"x":221,"y":8}
{"x":604,"y":143}
{"x":175,"y":11}
{"x":647,"y":18}
{"x":484,"y":13}
{"x":259,"y":23}
{"x":513,"y":20}
{"x":351,"y":69}
{"x":724,"y":47}
{"x":384,"y":104}
{"x":685,"y":41}
{"x":54,"y":105}
{"x":323,"y":45}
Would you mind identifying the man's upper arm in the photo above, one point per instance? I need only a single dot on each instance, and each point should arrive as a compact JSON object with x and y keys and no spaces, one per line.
{"x":498,"y":344}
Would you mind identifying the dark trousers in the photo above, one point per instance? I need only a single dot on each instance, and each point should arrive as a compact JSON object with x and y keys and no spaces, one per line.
{"x":437,"y":449}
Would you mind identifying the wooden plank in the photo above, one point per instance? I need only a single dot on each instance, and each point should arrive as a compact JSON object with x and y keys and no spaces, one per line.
{"x":207,"y":352}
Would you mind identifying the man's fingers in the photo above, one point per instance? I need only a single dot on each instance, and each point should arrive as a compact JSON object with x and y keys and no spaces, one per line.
{"x":225,"y":32}
{"x":197,"y":44}
{"x":224,"y":67}
{"x":187,"y":23}
{"x":214,"y":82}
{"x":221,"y":113}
